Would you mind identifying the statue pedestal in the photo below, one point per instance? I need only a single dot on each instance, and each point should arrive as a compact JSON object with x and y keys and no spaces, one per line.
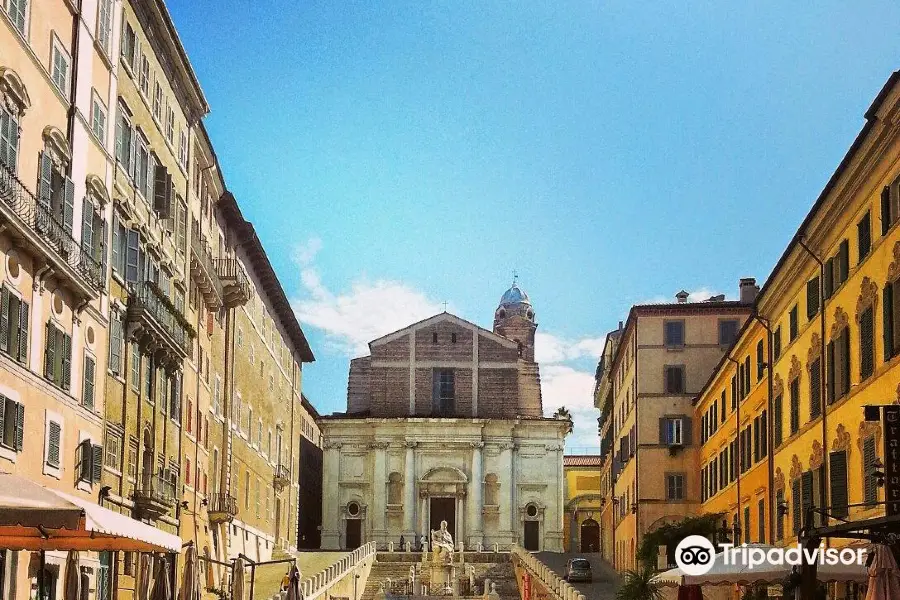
{"x":444,"y":581}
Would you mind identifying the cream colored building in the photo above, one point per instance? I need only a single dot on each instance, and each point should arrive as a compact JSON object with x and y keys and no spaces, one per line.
{"x":445,"y":422}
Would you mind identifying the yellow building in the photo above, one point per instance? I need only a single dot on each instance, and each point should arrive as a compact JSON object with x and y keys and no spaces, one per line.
{"x":665,"y":355}
{"x":732,"y":412}
{"x":583,"y":503}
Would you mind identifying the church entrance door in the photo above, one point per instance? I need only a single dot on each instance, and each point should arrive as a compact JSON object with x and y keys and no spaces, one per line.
{"x":590,"y":536}
{"x":443,"y":509}
{"x":531,"y":535}
{"x":354,"y":533}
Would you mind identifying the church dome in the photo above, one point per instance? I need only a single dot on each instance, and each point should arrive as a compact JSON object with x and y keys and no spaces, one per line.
{"x":514,"y":295}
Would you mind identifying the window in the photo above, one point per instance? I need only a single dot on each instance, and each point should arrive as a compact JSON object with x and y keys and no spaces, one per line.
{"x":247,"y":490}
{"x":761,"y":522}
{"x":776,"y":343}
{"x":867,"y":343}
{"x":129,"y":45}
{"x":812,"y":298}
{"x":12,"y":423}
{"x":673,"y":431}
{"x":170,"y":124}
{"x":839,"y":365}
{"x":864,"y":236}
{"x":183,"y":148}
{"x":59,"y":67}
{"x":135,"y":367}
{"x":890,"y":207}
{"x":104,"y":24}
{"x":143,"y":167}
{"x":747,"y":524}
{"x":828,"y":284}
{"x":116,"y":342}
{"x":795,"y":404}
{"x":144,"y":76}
{"x":815,"y":389}
{"x":796,"y":505}
{"x":57,"y":192}
{"x":793,"y":324}
{"x":870,"y":485}
{"x":675,"y":486}
{"x":125,"y":140}
{"x":87,"y":394}
{"x":843,"y":263}
{"x":728,"y":330}
{"x":157,"y":101}
{"x":14,"y":326}
{"x":779,"y":519}
{"x":673,"y":333}
{"x":891,"y":319}
{"x":58,"y":356}
{"x":187,"y":471}
{"x":54,"y":444}
{"x":89,"y":462}
{"x":760,"y":361}
{"x":674,"y":379}
{"x":839,"y":492}
{"x":113,"y":448}
{"x":18,"y":14}
{"x":98,"y":118}
{"x":443,"y":393}
{"x":9,"y":139}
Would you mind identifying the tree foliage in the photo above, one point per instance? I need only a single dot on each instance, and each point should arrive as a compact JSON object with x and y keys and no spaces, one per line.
{"x":638,"y":584}
{"x":670,"y":534}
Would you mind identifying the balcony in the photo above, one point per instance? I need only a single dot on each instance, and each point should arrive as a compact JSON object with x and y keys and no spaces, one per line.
{"x":203,"y":272}
{"x":154,"y":498}
{"x":222,"y":508}
{"x":235,"y":287}
{"x":282,"y":477}
{"x":32,"y":225}
{"x":157,"y":325}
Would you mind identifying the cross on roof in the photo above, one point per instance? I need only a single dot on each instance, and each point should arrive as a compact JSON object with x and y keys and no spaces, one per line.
{"x":445,"y":306}
{"x":515,"y":277}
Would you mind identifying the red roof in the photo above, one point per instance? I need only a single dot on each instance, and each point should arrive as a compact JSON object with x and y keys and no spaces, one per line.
{"x":583,"y":460}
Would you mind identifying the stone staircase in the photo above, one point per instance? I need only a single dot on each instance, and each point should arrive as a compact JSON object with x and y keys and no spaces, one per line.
{"x":488,"y":565}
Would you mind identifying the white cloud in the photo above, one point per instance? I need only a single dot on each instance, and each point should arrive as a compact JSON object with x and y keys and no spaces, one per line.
{"x":368,"y":310}
{"x":549,"y":348}
{"x":699,"y":295}
{"x":562,"y":385}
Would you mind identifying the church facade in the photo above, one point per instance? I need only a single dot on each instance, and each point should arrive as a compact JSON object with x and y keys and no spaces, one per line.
{"x":444,"y":423}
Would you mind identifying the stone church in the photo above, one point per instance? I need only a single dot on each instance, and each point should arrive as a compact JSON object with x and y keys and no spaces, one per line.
{"x":444,"y":423}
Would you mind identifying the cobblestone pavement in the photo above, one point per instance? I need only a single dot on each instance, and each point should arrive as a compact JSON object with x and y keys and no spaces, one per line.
{"x":605,"y":583}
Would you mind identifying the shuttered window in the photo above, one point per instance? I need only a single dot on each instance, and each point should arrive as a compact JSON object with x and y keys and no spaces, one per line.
{"x":891,"y":319}
{"x":839,"y":365}
{"x":764,"y":435}
{"x":756,"y":441}
{"x":746,"y":376}
{"x":812,"y":297}
{"x":777,"y":420}
{"x":864,"y":236}
{"x":870,"y":485}
{"x":760,"y":361}
{"x":88,"y":384}
{"x":13,"y":325}
{"x":843,"y":263}
{"x":673,"y":333}
{"x":776,"y":343}
{"x":828,"y":287}
{"x":779,"y":516}
{"x":116,"y":342}
{"x":793,"y":324}
{"x":795,"y":405}
{"x":674,"y":379}
{"x":12,"y":423}
{"x":796,"y":505}
{"x":806,"y":481}
{"x":867,"y":343}
{"x":761,"y":522}
{"x":9,"y":139}
{"x":58,"y":356}
{"x":815,"y":389}
{"x":838,"y":474}
{"x":135,"y":367}
{"x":89,"y":462}
{"x":54,"y":433}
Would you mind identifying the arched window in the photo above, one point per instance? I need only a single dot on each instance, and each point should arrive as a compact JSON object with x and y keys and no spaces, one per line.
{"x":13,"y":103}
{"x":395,"y":488}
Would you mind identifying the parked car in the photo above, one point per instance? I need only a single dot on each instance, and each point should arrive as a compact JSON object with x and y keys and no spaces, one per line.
{"x":578,"y":569}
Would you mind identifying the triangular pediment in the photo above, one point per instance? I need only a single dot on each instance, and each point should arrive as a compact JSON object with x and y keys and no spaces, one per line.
{"x":440,"y":318}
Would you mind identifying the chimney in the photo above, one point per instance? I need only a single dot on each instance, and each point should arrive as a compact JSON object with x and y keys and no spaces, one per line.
{"x":682,"y":297}
{"x":748,"y":290}
{"x":621,"y":325}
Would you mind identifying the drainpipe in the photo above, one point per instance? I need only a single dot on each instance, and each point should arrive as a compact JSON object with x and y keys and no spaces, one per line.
{"x":770,"y":434}
{"x":737,"y":429}
{"x":73,"y":84}
{"x":637,"y":479}
{"x":823,"y":371}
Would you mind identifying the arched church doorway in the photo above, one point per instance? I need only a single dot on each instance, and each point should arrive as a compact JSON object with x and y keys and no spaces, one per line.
{"x":590,"y":536}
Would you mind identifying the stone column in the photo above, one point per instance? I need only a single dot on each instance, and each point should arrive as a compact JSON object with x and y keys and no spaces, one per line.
{"x":513,"y":510}
{"x":507,"y":485}
{"x":409,"y":490}
{"x":331,"y":519}
{"x":476,"y":497}
{"x":379,"y":489}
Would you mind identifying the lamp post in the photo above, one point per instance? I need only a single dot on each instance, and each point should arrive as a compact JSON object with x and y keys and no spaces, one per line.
{"x":736,"y":530}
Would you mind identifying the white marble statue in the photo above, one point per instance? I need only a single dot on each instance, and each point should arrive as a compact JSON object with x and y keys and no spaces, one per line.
{"x":442,"y":544}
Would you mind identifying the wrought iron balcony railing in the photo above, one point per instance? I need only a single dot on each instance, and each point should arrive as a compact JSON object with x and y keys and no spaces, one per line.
{"x":222,"y":508}
{"x":146,"y":302}
{"x":28,"y":212}
{"x":234,"y":281}
{"x":203,"y":269}
{"x":154,"y":497}
{"x":282,"y":476}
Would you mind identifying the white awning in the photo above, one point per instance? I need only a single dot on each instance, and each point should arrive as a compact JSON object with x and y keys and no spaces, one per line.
{"x":34,"y":517}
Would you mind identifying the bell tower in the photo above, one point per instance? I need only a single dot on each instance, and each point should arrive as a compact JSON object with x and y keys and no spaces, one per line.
{"x":514,"y":319}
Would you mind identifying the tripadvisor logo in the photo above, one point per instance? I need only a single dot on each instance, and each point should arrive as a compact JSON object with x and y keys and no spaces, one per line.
{"x":695,"y":555}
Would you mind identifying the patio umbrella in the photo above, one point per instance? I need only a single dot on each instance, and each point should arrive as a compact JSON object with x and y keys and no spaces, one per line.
{"x":237,"y":579}
{"x":161,"y":581}
{"x":293,"y":590}
{"x":73,"y":577}
{"x":884,"y":578}
{"x":189,"y":583}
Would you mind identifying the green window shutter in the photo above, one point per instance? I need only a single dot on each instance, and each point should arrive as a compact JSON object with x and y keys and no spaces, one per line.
{"x":96,"y":462}
{"x":115,"y":243}
{"x":68,"y":205}
{"x":49,"y":351}
{"x":806,"y":481}
{"x":812,"y":297}
{"x":86,"y":455}
{"x":132,"y":256}
{"x":867,"y":343}
{"x":778,"y":419}
{"x":830,"y":380}
{"x":844,"y":261}
{"x":100,"y":248}
{"x":20,"y":426}
{"x":779,"y":519}
{"x":796,"y":505}
{"x":885,"y":210}
{"x":845,"y":357}
{"x":53,"y":444}
{"x":4,"y":320}
{"x":23,"y":332}
{"x":888,"y":321}
{"x":45,"y":185}
{"x":838,"y":474}
{"x":815,"y":389}
{"x":87,"y":226}
{"x":88,"y":388}
{"x":829,"y":278}
{"x":66,"y":362}
{"x":870,"y":487}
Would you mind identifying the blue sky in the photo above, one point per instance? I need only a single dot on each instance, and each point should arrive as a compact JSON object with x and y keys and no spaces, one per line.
{"x":397,"y":155}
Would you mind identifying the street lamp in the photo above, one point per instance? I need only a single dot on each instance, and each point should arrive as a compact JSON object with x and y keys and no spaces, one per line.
{"x":736,"y":530}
